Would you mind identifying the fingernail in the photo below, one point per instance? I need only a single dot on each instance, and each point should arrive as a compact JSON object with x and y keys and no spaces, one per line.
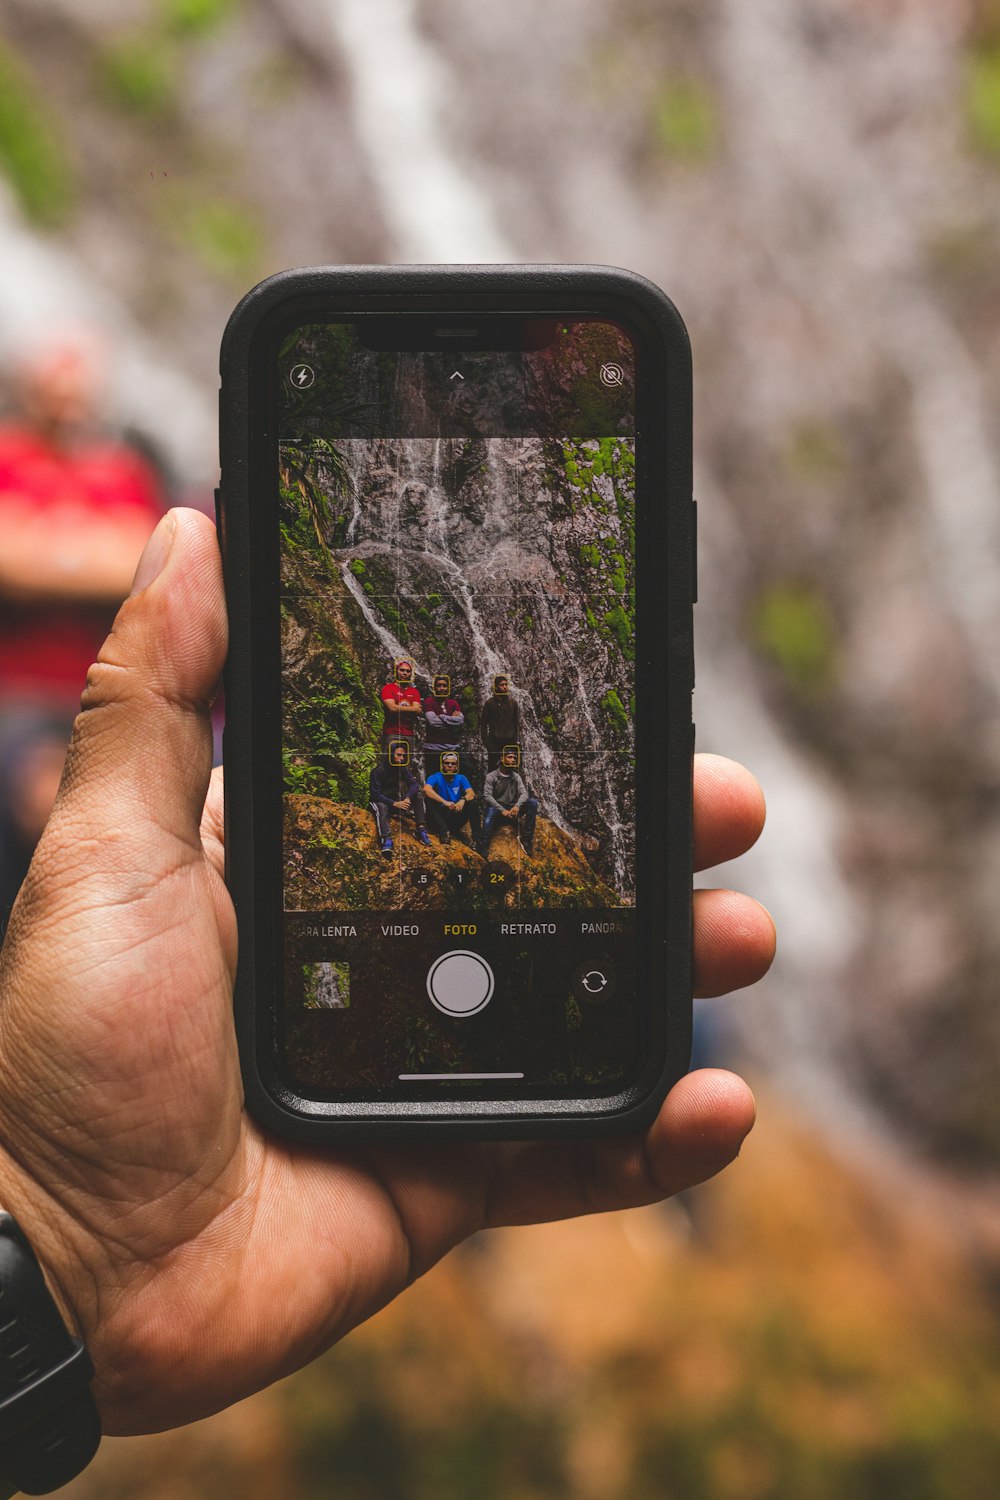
{"x":154,"y":555}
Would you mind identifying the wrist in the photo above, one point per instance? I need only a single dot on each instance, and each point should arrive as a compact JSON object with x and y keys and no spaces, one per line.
{"x":56,"y":1242}
{"x":95,"y":1294}
{"x":49,"y":1424}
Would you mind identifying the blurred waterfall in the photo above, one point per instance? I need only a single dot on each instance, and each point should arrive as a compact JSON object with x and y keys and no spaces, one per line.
{"x":431,"y":199}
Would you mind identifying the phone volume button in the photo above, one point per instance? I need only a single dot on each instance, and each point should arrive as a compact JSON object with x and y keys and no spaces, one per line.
{"x":694,"y":551}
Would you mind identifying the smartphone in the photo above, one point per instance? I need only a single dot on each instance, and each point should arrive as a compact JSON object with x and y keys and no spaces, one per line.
{"x":458,"y":538}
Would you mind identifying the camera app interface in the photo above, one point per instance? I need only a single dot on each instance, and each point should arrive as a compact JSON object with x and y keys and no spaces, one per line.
{"x":457,"y":701}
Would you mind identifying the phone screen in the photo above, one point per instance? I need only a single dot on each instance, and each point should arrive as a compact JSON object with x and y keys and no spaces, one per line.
{"x":458,"y":694}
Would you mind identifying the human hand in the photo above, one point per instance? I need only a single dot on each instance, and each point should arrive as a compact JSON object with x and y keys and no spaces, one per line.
{"x":198,"y":1257}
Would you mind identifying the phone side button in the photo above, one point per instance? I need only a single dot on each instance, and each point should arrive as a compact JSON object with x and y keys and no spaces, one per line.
{"x":694,"y":551}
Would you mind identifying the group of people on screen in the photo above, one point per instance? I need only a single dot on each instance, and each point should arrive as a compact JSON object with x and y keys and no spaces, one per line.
{"x":442,"y":800}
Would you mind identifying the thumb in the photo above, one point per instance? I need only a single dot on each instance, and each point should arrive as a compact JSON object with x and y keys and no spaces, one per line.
{"x":116,"y":1048}
{"x":141,"y":753}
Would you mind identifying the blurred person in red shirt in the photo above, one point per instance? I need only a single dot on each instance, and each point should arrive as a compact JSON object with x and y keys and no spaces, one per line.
{"x":76,"y":508}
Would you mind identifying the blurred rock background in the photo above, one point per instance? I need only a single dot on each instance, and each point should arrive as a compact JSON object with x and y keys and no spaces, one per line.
{"x":817,"y":184}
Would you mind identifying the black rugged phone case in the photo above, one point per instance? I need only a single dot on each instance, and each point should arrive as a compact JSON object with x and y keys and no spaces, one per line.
{"x":667,"y":965}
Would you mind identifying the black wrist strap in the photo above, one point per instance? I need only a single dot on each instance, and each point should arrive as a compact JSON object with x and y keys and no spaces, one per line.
{"x":49,"y":1427}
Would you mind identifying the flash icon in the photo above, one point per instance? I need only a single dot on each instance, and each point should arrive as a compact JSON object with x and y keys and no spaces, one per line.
{"x":302,"y":376}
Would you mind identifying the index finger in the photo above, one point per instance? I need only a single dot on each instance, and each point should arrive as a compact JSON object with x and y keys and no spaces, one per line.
{"x":728,"y":810}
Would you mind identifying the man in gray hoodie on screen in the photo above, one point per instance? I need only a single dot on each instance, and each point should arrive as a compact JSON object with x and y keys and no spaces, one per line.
{"x":505,"y":796}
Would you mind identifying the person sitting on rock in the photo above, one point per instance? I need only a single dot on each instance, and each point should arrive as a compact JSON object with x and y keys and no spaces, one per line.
{"x":401,"y":703}
{"x":500,"y":721}
{"x":393,"y":786}
{"x":445,"y":720}
{"x":506,"y":797}
{"x":451,"y":802}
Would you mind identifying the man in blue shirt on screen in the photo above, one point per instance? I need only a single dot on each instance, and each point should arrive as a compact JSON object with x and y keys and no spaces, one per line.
{"x":451,"y":802}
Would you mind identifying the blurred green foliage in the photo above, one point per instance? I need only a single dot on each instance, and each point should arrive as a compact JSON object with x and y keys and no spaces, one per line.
{"x":983,"y":98}
{"x":962,"y":250}
{"x":919,"y":1466}
{"x":815,"y":1344}
{"x":793,"y":625}
{"x":685,"y":119}
{"x":226,"y":237}
{"x":277,"y":78}
{"x":32,"y":157}
{"x":352,"y":1432}
{"x":196,"y":18}
{"x":140,"y":70}
{"x":815,"y":450}
{"x":139,"y":74}
{"x":917,"y":1433}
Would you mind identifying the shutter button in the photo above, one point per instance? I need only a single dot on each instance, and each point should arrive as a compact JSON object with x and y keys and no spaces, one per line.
{"x":460,"y":983}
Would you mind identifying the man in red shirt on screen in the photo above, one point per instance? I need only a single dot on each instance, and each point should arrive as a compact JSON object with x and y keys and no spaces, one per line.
{"x":76,"y":509}
{"x":402,"y":703}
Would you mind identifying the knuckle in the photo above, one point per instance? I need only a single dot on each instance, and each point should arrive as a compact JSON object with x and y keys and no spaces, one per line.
{"x":107,"y":683}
